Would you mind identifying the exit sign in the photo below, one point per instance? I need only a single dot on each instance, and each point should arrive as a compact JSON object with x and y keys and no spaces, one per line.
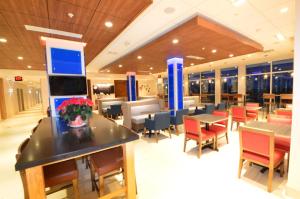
{"x":18,"y":78}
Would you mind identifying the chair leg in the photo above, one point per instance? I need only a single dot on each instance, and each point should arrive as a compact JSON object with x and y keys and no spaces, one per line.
{"x":92,"y":172}
{"x":200,"y":149}
{"x":177,"y":130}
{"x":240,"y":167}
{"x":270,"y":178}
{"x":184,"y":144}
{"x":231,"y":124}
{"x":288,"y":162}
{"x":101,"y":185}
{"x":170,"y":132}
{"x":215,"y":140}
{"x":75,"y":189}
{"x":226,"y":134}
{"x":156,"y":136}
{"x":237,"y":125}
{"x":144,"y":132}
{"x":282,"y":169}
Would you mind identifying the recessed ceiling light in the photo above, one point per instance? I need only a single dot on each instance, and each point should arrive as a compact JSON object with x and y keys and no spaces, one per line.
{"x":280,"y":37}
{"x":108,"y":71}
{"x":108,"y":24}
{"x":3,"y":40}
{"x":70,"y":14}
{"x":169,"y":10}
{"x":238,"y":2}
{"x":29,"y":66}
{"x":211,"y":62}
{"x":139,"y":57}
{"x":20,"y":58}
{"x":175,"y":41}
{"x":203,"y":48}
{"x":249,"y":55}
{"x":284,"y":10}
{"x":151,"y":68}
{"x":192,"y":64}
{"x":214,"y":51}
{"x":120,"y":65}
{"x":231,"y":55}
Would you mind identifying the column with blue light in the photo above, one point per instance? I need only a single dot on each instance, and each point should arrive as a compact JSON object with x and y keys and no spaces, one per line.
{"x":131,"y":86}
{"x":175,"y":84}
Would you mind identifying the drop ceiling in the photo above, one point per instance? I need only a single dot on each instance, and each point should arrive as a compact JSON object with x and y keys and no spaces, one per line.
{"x":198,"y":37}
{"x":88,"y":19}
{"x":258,"y":20}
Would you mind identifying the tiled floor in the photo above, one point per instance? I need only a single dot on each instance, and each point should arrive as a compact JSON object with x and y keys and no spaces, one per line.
{"x":163,"y":170}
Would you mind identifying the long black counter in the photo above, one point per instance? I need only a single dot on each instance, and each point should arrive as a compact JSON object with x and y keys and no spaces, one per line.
{"x":54,"y":141}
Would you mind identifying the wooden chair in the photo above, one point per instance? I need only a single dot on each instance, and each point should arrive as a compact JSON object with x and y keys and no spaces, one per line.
{"x":284,"y":112}
{"x":268,"y":102}
{"x":238,"y":99}
{"x":285,"y":99}
{"x":220,"y":127}
{"x":252,"y":113}
{"x":239,"y":115}
{"x":193,"y":131}
{"x":106,"y":164}
{"x":54,"y":174}
{"x":257,"y":146}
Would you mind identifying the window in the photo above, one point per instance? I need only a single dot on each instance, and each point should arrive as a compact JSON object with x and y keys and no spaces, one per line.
{"x":229,"y":80}
{"x":257,"y":81}
{"x":208,"y":87}
{"x":194,"y":84}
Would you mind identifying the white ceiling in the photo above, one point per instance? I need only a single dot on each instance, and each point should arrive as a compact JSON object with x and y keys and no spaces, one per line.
{"x":259,"y":20}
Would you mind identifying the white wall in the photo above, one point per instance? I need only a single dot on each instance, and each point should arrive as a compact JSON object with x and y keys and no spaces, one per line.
{"x":294,"y":169}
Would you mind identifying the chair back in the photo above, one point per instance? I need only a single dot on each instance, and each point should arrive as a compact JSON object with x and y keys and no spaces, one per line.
{"x":222,"y":113}
{"x":180,"y":114}
{"x":279,"y":119}
{"x":284,"y":112}
{"x":257,"y":142}
{"x":251,"y":104}
{"x":222,"y":106}
{"x":209,"y":108}
{"x":116,"y":109}
{"x":162,"y":120}
{"x":238,"y":112}
{"x":191,"y":125}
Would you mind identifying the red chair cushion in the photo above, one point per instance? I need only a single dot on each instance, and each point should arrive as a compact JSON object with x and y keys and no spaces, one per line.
{"x":282,"y":143}
{"x":218,"y":129}
{"x":278,"y":157}
{"x":206,"y":135}
{"x":252,"y":115}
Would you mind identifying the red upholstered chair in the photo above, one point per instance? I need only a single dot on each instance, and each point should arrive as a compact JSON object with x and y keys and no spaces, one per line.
{"x":257,"y":146}
{"x":281,"y":143}
{"x":220,"y":127}
{"x":252,"y":113}
{"x":193,"y":131}
{"x":239,"y":115}
{"x":284,"y":112}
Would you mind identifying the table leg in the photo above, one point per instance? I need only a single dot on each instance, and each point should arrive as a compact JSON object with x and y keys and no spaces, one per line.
{"x":34,"y":178}
{"x":130,"y":180}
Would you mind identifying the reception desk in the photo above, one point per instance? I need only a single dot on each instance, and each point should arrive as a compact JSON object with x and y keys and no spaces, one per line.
{"x":55,"y":142}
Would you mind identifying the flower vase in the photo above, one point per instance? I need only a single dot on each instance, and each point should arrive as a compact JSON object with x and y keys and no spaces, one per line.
{"x":78,"y":122}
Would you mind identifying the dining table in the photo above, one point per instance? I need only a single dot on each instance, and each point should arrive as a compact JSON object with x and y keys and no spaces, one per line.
{"x":54,"y":141}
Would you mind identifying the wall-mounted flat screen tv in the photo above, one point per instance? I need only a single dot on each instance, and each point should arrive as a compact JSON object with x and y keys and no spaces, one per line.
{"x":67,"y":85}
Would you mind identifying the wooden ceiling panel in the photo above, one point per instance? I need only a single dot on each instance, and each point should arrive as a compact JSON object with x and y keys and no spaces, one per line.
{"x":27,"y":7}
{"x":88,"y":20}
{"x":193,"y":36}
{"x":120,"y":8}
{"x":91,"y":4}
{"x":59,"y":10}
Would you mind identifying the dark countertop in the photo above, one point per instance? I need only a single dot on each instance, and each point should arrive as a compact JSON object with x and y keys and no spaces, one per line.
{"x":55,"y":141}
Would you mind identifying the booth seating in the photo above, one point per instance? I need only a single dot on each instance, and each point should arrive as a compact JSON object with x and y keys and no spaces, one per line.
{"x":105,"y":103}
{"x":147,"y":97}
{"x":135,"y":112}
{"x":190,"y":103}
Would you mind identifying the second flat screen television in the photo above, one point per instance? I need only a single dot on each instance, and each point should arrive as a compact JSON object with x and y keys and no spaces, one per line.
{"x":67,"y":85}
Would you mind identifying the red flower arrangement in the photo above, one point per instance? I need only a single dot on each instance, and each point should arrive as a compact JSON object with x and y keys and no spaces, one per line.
{"x":75,"y":110}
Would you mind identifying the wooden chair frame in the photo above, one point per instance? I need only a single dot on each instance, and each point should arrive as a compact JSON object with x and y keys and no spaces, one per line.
{"x":199,"y":141}
{"x":271,"y":164}
{"x":238,"y":123}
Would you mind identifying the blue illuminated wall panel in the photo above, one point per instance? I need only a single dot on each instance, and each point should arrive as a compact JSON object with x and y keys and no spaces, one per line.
{"x":175,"y":83}
{"x":65,"y":61}
{"x":131,"y":87}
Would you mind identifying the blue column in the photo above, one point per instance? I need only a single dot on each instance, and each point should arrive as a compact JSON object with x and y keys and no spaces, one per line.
{"x":175,"y":84}
{"x":131,"y":86}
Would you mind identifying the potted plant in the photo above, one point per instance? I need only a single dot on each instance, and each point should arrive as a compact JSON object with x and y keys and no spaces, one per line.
{"x":75,"y":111}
